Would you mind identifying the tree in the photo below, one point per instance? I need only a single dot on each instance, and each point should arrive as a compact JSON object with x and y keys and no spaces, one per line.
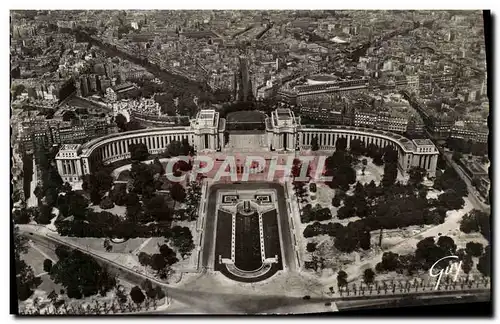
{"x":142,"y":179}
{"x":138,"y":152}
{"x":69,"y":115}
{"x":314,"y":143}
{"x":118,"y":194}
{"x":364,"y":240}
{"x":365,"y":163}
{"x":457,"y":156}
{"x":476,"y":221}
{"x":447,"y":244}
{"x":158,"y":262}
{"x":390,"y":262}
{"x":62,"y":252}
{"x":341,"y":278}
{"x":121,"y":122}
{"x":311,"y":247}
{"x":336,"y":201}
{"x":474,"y":249}
{"x":449,"y":179}
{"x":137,"y":295}
{"x":47,"y":265}
{"x":182,"y":239}
{"x":368,"y":276}
{"x":159,"y":292}
{"x":157,"y":208}
{"x":417,"y":174}
{"x":390,"y":174}
{"x":451,"y":200}
{"x":356,"y":147}
{"x":428,"y":252}
{"x":467,"y":263}
{"x":52,"y":296}
{"x":169,"y":254}
{"x":157,"y":167}
{"x":186,"y":148}
{"x":97,"y":183}
{"x":484,"y":263}
{"x":106,"y":203}
{"x":341,"y":144}
{"x":107,"y":245}
{"x":144,"y":259}
{"x":133,"y":125}
{"x":23,"y":216}
{"x":44,"y":215}
{"x":174,"y":148}
{"x":134,"y":208}
{"x":177,"y":192}
{"x":346,"y":241}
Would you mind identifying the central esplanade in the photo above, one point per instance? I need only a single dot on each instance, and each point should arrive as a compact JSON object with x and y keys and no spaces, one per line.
{"x":284,"y":133}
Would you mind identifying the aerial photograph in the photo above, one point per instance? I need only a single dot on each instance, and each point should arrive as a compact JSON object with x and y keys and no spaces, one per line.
{"x":248,"y":162}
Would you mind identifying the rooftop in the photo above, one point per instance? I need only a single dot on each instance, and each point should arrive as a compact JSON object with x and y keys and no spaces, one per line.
{"x":423,"y":141}
{"x":69,"y":147}
{"x":283,"y":114}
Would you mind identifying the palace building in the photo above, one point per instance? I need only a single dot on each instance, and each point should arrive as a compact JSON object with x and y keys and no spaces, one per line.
{"x":283,"y":133}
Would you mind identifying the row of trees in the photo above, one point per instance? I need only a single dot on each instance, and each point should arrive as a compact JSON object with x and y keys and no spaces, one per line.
{"x":467,"y":146}
{"x":316,"y":213}
{"x":347,"y":238}
{"x":429,"y":251}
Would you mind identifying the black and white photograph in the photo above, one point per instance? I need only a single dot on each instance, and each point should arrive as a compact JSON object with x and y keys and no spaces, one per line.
{"x":249,"y":162}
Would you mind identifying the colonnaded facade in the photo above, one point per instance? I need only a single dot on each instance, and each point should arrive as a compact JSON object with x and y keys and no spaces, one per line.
{"x":283,"y":132}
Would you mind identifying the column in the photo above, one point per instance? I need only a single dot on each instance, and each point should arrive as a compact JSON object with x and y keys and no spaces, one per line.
{"x":63,"y":165}
{"x":79,"y":171}
{"x":59,"y":167}
{"x":432,"y":169}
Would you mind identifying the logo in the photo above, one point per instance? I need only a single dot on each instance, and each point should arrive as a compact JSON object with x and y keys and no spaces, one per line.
{"x":453,"y":269}
{"x":239,"y":168}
